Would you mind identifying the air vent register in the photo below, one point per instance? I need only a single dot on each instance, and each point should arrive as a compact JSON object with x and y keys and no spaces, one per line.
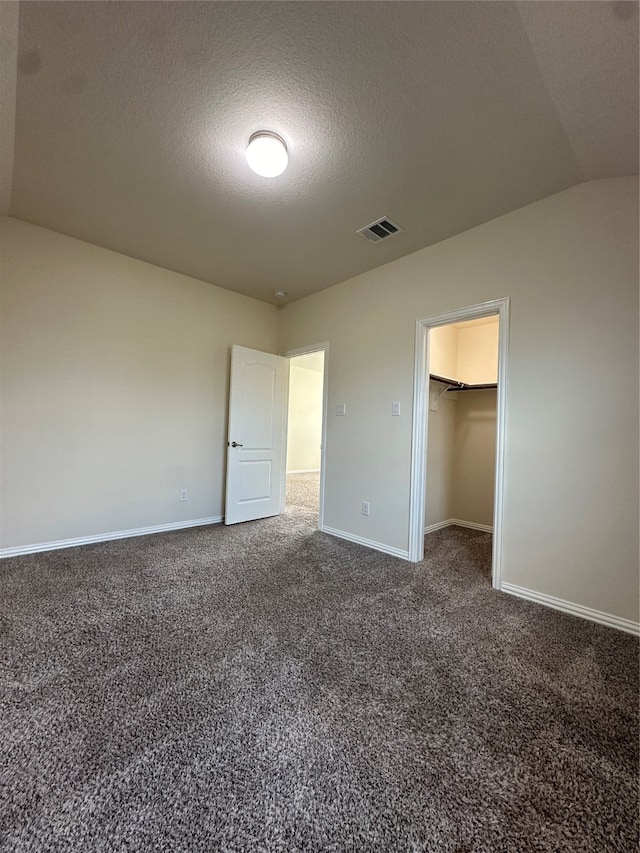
{"x":379,"y":230}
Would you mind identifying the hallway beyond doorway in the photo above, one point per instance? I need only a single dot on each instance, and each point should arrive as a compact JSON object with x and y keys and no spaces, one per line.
{"x":303,"y":494}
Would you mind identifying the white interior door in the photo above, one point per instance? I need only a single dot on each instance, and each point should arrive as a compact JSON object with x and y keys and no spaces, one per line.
{"x":256,"y":447}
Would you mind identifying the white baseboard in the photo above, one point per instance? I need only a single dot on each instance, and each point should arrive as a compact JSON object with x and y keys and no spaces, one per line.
{"x":368,"y":543}
{"x":439,"y":525}
{"x":458,"y":522}
{"x":107,"y":537}
{"x":304,"y":471}
{"x":574,"y":609}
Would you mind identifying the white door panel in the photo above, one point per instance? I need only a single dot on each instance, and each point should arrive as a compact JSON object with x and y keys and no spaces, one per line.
{"x":255,"y":480}
{"x":257,"y":435}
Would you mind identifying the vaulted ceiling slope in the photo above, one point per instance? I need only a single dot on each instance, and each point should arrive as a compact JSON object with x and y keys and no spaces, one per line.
{"x":132,"y":121}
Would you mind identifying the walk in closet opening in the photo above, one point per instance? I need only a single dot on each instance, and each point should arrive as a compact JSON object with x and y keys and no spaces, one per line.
{"x":461,"y":435}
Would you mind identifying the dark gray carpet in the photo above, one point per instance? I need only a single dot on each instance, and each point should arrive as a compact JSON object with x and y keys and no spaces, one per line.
{"x":269,"y":688}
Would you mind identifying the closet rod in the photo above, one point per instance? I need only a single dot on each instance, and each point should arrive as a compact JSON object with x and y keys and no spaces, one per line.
{"x":462,"y":386}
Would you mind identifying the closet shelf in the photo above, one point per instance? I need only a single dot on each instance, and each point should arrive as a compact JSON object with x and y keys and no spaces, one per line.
{"x":461,"y":386}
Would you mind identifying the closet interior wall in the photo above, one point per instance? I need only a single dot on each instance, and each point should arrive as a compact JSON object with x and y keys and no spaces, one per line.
{"x":461,"y":442}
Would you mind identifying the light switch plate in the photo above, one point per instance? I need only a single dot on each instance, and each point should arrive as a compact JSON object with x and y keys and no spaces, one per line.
{"x":395,"y":409}
{"x":341,"y":409}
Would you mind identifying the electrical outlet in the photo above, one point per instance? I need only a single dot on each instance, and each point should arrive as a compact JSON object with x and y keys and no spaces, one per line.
{"x":365,"y":508}
{"x":184,"y":495}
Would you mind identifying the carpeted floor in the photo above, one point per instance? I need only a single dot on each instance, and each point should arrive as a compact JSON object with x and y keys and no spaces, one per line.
{"x":269,"y":688}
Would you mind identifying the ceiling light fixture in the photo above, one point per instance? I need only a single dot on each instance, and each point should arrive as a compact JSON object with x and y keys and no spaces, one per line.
{"x":267,"y":154}
{"x":279,"y":294}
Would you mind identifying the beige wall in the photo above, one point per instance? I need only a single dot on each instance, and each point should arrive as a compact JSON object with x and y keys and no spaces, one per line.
{"x":569,"y":263}
{"x":443,"y":351}
{"x":304,"y":434}
{"x":461,"y":457}
{"x":474,"y":458}
{"x":467,"y":352}
{"x":441,"y":447}
{"x":477,"y":358}
{"x":114,"y":388}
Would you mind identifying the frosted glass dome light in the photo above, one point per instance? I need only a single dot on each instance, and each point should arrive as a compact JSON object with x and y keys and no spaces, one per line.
{"x":267,"y":154}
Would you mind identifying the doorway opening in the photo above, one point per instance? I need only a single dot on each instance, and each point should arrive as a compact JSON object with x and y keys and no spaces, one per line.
{"x":459,"y":427}
{"x":461,"y":437}
{"x":305,"y":432}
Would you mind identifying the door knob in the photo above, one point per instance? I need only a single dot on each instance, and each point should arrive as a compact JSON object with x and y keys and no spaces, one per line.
{"x":235,"y":444}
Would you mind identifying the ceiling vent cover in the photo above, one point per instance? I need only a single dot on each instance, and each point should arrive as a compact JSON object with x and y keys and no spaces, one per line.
{"x":379,"y":230}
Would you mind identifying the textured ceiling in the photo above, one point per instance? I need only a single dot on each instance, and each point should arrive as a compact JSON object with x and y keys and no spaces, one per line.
{"x":132,"y":120}
{"x":8,"y":68}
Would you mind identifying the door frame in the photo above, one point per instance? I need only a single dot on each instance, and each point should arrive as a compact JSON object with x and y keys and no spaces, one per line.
{"x":292,"y":353}
{"x":420,"y":426}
